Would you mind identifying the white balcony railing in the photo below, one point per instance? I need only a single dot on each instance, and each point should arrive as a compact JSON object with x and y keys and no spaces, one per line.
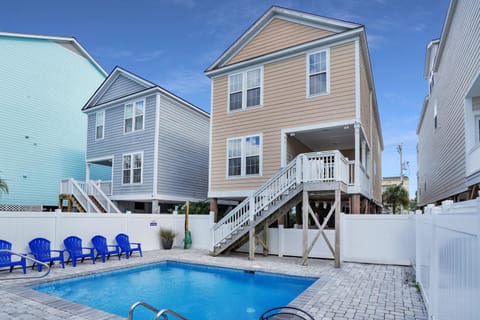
{"x":82,"y":190}
{"x":329,"y":166}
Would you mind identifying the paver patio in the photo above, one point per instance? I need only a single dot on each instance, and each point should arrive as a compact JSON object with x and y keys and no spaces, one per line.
{"x":355,"y":291}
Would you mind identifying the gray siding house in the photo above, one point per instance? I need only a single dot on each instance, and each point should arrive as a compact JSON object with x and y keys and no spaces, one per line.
{"x":155,"y":142}
{"x":449,"y":127}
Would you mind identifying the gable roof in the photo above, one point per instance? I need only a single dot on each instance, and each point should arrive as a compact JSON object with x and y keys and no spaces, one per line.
{"x":147,"y":88}
{"x":110,"y":80}
{"x":307,"y":19}
{"x":69,"y":43}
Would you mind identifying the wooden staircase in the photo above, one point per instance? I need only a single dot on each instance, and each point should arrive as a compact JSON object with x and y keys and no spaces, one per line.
{"x":97,"y":204}
{"x":72,"y":202}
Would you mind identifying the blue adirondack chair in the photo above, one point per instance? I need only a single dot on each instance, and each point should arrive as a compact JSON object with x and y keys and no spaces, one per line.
{"x":103,"y":249}
{"x":6,"y":257}
{"x":127,"y":246}
{"x":73,"y":245}
{"x":40,"y":248}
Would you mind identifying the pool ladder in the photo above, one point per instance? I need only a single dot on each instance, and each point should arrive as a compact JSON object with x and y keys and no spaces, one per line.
{"x":30,"y":259}
{"x":159,"y":314}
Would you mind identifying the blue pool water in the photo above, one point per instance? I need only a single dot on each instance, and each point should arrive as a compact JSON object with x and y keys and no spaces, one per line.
{"x":195,"y":291}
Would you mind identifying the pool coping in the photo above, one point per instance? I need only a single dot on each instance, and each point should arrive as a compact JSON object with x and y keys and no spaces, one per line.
{"x":24,"y":291}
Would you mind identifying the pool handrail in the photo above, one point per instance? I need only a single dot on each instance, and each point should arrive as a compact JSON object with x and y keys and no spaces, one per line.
{"x":28,"y":258}
{"x":158,"y":313}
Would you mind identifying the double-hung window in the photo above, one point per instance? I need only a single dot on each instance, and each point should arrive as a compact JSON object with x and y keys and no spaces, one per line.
{"x":244,"y":156}
{"x":318,"y":73}
{"x":99,"y":124}
{"x":245,"y":89}
{"x":132,"y":168}
{"x":134,"y":116}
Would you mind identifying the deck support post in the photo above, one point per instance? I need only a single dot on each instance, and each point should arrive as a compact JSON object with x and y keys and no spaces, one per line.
{"x":214,"y":208}
{"x":338,"y":207}
{"x":251,"y":244}
{"x":305,"y":206}
{"x":265,"y":240}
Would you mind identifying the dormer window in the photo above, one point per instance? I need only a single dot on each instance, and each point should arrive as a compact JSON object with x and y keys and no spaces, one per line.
{"x":134,"y":116}
{"x":245,"y":89}
{"x":318,"y":80}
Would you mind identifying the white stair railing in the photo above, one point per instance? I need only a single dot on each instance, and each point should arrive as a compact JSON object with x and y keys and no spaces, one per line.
{"x":327,"y":166}
{"x":80,"y":191}
{"x":102,"y":198}
{"x":252,"y":206}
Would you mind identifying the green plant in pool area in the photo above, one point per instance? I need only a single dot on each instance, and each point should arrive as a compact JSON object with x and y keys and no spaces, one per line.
{"x":3,"y":186}
{"x":167,"y":234}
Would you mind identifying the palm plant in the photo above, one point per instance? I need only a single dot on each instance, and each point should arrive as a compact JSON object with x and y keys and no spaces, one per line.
{"x":3,"y":186}
{"x":395,"y":196}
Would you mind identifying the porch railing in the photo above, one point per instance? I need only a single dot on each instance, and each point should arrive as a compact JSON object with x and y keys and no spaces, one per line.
{"x":81,"y":190}
{"x":327,"y":166}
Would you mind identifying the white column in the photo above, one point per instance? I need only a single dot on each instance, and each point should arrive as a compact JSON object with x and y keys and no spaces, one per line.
{"x":87,"y":172}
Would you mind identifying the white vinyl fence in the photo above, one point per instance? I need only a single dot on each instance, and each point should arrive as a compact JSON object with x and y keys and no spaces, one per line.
{"x":448,"y":259}
{"x":20,"y":228}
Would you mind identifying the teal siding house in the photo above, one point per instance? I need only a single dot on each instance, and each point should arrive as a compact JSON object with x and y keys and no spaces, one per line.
{"x":44,"y":81}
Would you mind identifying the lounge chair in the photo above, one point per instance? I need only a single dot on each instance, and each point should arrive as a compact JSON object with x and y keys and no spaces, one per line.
{"x":127,"y":246}
{"x":41,"y":251}
{"x":286,"y":313}
{"x":73,"y":246}
{"x":6,"y":257}
{"x":103,"y":249}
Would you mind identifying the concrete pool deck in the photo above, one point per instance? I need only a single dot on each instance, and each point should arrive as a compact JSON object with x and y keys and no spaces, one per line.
{"x":355,"y":291}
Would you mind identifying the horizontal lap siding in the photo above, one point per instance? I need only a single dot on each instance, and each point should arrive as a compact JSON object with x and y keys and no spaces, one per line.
{"x":121,"y":87}
{"x":441,"y":158}
{"x":43,"y":86}
{"x":285,"y":106}
{"x":278,"y":34}
{"x":117,"y":143}
{"x":183,"y":151}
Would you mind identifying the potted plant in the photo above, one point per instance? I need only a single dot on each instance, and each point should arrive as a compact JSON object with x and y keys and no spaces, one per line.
{"x":167,"y":236}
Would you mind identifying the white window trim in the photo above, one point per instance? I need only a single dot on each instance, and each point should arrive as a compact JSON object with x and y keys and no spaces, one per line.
{"x":476,"y":117}
{"x":103,"y":125}
{"x":244,"y":89}
{"x":131,"y":168}
{"x":327,"y":58}
{"x":243,"y":158}
{"x":133,"y":102}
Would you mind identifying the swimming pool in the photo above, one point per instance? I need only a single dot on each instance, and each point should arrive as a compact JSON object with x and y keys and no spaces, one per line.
{"x":194,"y":291}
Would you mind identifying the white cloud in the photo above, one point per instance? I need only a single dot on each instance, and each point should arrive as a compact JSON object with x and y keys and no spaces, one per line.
{"x":148,"y":56}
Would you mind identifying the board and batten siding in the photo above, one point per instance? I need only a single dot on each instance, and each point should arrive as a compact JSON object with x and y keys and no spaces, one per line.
{"x":116,"y":143}
{"x":42,"y":87}
{"x":285,"y":105}
{"x":182,"y":151}
{"x":441,"y":151}
{"x":120,"y":87}
{"x":278,"y":34}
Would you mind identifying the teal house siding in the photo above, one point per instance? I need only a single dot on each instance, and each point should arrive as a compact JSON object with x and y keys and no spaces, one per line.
{"x":44,"y":81}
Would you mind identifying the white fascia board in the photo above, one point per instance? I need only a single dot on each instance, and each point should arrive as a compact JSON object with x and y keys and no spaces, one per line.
{"x":121,"y":100}
{"x":428,"y":55}
{"x":231,"y":194}
{"x":93,"y":160}
{"x":72,"y":40}
{"x":299,"y":17}
{"x":422,"y":115}
{"x":144,"y":93}
{"x":445,"y":30}
{"x":368,"y":68}
{"x":289,"y":52}
{"x":210,"y":139}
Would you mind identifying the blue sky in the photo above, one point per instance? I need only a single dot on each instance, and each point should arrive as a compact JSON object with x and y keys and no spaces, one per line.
{"x":171,"y":43}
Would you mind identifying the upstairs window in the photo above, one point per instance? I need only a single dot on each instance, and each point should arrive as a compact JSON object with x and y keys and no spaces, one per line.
{"x":99,"y":124}
{"x":245,"y":89}
{"x":243,"y":156}
{"x":134,"y":116}
{"x":318,"y":73}
{"x":132,"y":168}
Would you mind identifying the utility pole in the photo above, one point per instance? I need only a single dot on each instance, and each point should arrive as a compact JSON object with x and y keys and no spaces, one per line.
{"x":400,"y":150}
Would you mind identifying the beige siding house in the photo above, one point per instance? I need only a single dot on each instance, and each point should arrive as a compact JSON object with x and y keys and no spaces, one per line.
{"x":296,"y":85}
{"x":449,"y":127}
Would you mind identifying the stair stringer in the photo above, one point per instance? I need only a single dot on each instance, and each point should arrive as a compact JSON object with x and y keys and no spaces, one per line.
{"x":259,"y":219}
